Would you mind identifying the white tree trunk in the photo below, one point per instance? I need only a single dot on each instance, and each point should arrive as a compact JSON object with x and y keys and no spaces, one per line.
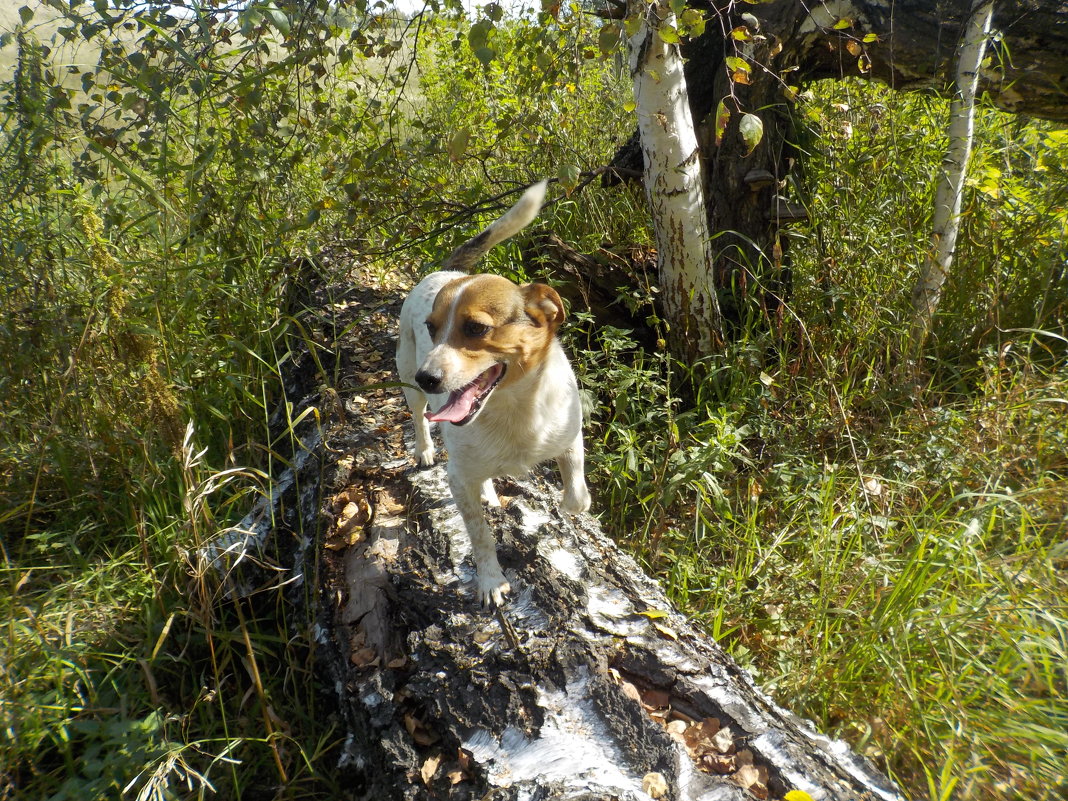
{"x":928,"y":289}
{"x":674,"y":185}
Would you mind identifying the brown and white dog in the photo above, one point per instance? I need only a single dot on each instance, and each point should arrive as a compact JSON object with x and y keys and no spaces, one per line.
{"x":484,"y":356}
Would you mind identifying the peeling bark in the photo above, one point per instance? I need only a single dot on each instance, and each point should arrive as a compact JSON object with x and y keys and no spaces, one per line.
{"x":588,"y":685}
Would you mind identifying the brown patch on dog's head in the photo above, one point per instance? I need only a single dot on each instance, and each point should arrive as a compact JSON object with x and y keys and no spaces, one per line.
{"x":486,"y":319}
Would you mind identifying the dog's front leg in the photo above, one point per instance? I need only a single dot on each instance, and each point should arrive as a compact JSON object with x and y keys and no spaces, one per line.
{"x":576,"y":498}
{"x":424,"y":445}
{"x":492,"y":585}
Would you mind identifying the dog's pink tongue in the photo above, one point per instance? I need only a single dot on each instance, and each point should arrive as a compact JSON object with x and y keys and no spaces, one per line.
{"x":461,"y":401}
{"x":457,"y":407}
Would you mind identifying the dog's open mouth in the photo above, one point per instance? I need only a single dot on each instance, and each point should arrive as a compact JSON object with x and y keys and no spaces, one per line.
{"x":464,"y":403}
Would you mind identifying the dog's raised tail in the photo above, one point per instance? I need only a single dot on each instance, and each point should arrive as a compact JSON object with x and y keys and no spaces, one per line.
{"x":509,"y":224}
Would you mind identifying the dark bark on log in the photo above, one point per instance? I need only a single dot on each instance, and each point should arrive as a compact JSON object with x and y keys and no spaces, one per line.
{"x":563,"y":694}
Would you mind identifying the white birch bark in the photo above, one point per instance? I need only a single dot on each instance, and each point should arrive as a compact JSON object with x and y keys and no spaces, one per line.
{"x":673,"y":185}
{"x":927,"y":292}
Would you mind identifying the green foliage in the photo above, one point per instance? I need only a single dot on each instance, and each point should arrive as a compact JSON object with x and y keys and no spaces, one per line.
{"x":889,"y":561}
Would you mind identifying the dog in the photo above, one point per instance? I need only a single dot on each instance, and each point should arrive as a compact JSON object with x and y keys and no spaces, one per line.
{"x":481,"y":353}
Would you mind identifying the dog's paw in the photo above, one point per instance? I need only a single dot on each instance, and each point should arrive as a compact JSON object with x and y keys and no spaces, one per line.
{"x":492,"y":587}
{"x":576,"y":500}
{"x":425,"y":458}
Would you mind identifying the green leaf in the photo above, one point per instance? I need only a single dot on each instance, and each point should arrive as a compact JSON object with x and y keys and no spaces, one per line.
{"x":723,"y":116}
{"x":278,"y":18}
{"x":629,"y":106}
{"x":677,"y":6}
{"x":870,"y":37}
{"x":25,"y":14}
{"x":568,"y":175}
{"x":608,"y":37}
{"x":458,"y":142}
{"x":751,"y":127}
{"x":842,"y":24}
{"x":632,"y":24}
{"x":741,"y":34}
{"x":692,"y":22}
{"x":737,"y":64}
{"x":668,"y":34}
{"x":485,"y":55}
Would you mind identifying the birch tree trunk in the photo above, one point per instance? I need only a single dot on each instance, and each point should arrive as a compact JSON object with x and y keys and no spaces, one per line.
{"x":673,"y":184}
{"x":927,"y":292}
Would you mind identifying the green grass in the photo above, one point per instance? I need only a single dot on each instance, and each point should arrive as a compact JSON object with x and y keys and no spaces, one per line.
{"x":887,"y":558}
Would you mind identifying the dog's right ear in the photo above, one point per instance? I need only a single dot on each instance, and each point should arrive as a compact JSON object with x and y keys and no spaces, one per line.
{"x":543,"y":306}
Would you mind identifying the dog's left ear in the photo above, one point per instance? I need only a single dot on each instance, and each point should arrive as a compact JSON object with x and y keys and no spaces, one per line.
{"x":543,"y":306}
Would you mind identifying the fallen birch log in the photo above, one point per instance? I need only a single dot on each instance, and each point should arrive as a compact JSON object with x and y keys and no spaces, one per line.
{"x":586,"y":685}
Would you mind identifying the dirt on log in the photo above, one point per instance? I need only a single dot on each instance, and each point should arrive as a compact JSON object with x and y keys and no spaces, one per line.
{"x":586,"y":685}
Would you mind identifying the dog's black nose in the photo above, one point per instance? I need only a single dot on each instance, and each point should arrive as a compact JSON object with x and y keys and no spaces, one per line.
{"x":428,"y":382}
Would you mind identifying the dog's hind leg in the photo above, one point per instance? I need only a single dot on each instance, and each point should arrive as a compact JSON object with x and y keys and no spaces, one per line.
{"x":576,"y":497}
{"x":490,"y":581}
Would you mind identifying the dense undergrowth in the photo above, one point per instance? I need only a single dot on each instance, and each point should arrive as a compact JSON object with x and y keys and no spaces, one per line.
{"x":888,"y":557}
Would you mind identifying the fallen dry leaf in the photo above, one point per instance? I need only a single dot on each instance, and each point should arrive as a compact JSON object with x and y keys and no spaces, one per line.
{"x":430,"y":767}
{"x":352,"y":511}
{"x":365,"y":657}
{"x":656,"y":699}
{"x":699,"y":736}
{"x":723,"y":741}
{"x":677,"y":727}
{"x":654,"y":785}
{"x":666,"y":631}
{"x":720,"y":764}
{"x":419,"y":732}
{"x":753,"y":778}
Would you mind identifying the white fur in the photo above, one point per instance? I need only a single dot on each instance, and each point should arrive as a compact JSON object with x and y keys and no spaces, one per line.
{"x":530,"y":420}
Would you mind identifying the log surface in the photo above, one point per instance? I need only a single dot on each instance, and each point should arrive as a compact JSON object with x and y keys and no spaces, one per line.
{"x":586,"y":685}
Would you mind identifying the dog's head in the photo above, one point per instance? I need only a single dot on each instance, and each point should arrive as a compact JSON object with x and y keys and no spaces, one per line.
{"x":488,"y":335}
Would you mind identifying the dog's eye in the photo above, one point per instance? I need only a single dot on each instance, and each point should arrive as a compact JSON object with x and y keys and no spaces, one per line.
{"x":475,"y":329}
{"x":431,"y":328}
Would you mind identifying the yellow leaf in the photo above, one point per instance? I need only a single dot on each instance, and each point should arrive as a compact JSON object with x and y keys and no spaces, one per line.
{"x":654,"y":614}
{"x":430,"y":767}
{"x":797,"y":795}
{"x":670,"y":633}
